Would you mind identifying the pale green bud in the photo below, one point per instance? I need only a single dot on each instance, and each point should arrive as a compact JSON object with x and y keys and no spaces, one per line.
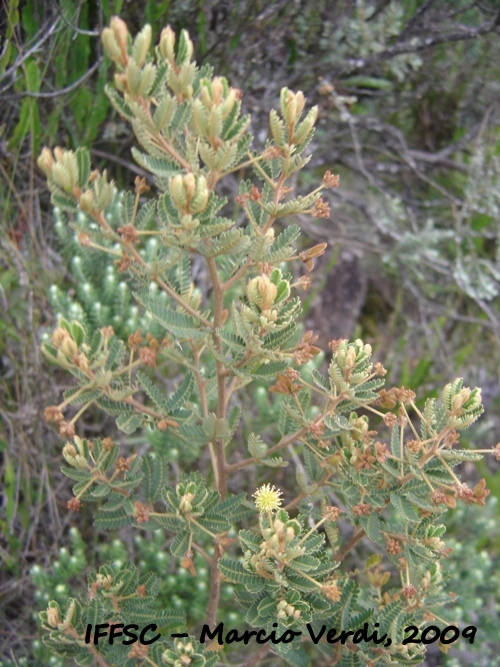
{"x":305,"y":126}
{"x":111,"y":45}
{"x":292,"y":105}
{"x":86,"y":201}
{"x":65,"y":170}
{"x":45,"y":161}
{"x":120,"y":80}
{"x":262,"y":292}
{"x":189,"y":46}
{"x":167,"y":43}
{"x":185,"y":504}
{"x":142,"y":45}
{"x":177,"y":191}
{"x":134,"y":78}
{"x":189,"y":185}
{"x":53,"y":615}
{"x":120,"y":32}
{"x":148,"y":76}
{"x":201,"y":195}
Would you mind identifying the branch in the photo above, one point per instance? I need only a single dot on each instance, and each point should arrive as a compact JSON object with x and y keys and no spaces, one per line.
{"x":421,"y":44}
{"x":350,"y":545}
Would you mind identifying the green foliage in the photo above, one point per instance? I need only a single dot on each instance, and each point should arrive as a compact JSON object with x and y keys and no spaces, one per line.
{"x":392,"y":495}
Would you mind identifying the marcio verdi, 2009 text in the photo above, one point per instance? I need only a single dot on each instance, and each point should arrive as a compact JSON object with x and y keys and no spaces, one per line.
{"x":429,"y":635}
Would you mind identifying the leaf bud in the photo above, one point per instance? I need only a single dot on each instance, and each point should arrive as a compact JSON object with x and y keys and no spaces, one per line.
{"x":350,"y":358}
{"x":86,"y":201}
{"x":120,"y":32}
{"x":65,"y":170}
{"x":58,"y":335}
{"x":53,"y":618}
{"x":292,"y":105}
{"x":186,"y":505}
{"x":69,"y":347}
{"x":120,"y":80}
{"x":188,"y":45}
{"x":201,"y":195}
{"x":217,"y":90}
{"x":177,"y":192}
{"x":306,"y":126}
{"x":262,"y":292}
{"x":189,"y":184}
{"x":45,"y":161}
{"x":110,"y":45}
{"x":69,"y":451}
{"x":142,"y":44}
{"x":167,"y":43}
{"x":148,"y":76}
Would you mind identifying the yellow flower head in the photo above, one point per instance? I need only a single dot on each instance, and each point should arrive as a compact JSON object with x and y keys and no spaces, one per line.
{"x":267,"y":498}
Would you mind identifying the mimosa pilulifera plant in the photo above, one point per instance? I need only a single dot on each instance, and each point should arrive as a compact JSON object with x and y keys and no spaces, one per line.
{"x":354,"y":539}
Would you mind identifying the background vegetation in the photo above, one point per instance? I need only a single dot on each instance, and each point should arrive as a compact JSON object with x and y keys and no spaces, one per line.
{"x":407,"y":93}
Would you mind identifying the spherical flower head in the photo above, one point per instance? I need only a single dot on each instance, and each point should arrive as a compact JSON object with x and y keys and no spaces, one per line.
{"x":267,"y":498}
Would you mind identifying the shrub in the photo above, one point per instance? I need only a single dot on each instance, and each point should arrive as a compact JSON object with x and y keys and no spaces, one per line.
{"x":372,"y":468}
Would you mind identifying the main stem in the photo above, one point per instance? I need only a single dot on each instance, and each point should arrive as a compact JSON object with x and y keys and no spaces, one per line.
{"x":220,"y":456}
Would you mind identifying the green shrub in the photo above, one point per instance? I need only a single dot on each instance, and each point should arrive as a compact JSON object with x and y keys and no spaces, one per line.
{"x":372,"y":469}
